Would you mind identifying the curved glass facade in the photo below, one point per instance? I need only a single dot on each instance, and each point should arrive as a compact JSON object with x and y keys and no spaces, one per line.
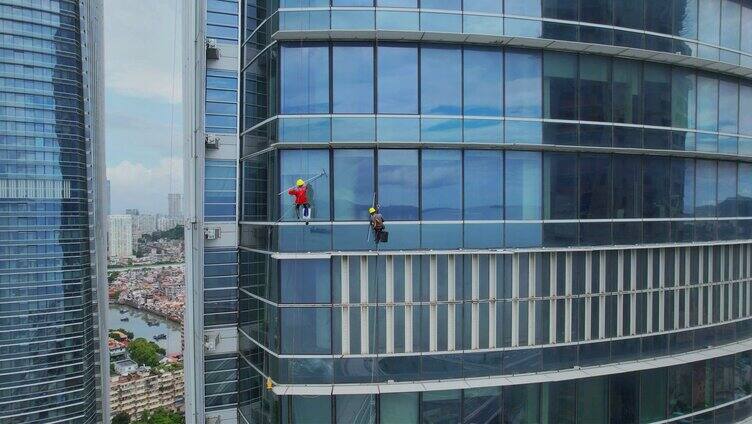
{"x":49,"y":354}
{"x":574,"y":202}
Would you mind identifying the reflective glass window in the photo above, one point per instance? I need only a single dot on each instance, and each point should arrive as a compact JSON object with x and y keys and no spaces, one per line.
{"x":596,"y":11}
{"x":310,"y":409}
{"x":731,"y":11}
{"x":398,"y":79}
{"x":685,"y":18}
{"x":441,"y":4}
{"x":397,"y":3}
{"x":623,"y":397}
{"x":727,"y":188}
{"x":744,"y":196}
{"x":728,"y":110}
{"x":484,"y":189}
{"x":559,"y":85}
{"x":482,"y":82}
{"x":359,"y":409}
{"x":559,"y":185}
{"x":522,"y":77}
{"x":657,"y":95}
{"x":683,"y":98}
{"x":655,"y":194}
{"x":627,"y":91}
{"x":306,"y":164}
{"x":305,"y":79}
{"x":398,"y":184}
{"x":352,"y":77}
{"x":658,"y":16}
{"x":595,"y":186}
{"x":745,"y":109}
{"x":595,"y":88}
{"x":486,"y":6}
{"x":353,"y":183}
{"x":560,"y":9}
{"x":522,"y":7}
{"x":521,"y":403}
{"x":441,"y":80}
{"x":709,"y":27}
{"x":629,"y":14}
{"x":441,"y":185}
{"x":522,"y":182}
{"x":592,"y":400}
{"x":305,"y":281}
{"x":441,"y":406}
{"x":482,"y":405}
{"x":746,"y":27}
{"x":707,"y":103}
{"x":653,"y":395}
{"x":705,"y":197}
{"x":682,"y":187}
{"x":306,"y":330}
{"x":398,"y":408}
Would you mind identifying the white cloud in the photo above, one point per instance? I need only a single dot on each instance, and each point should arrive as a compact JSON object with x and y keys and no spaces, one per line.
{"x":134,"y":185}
{"x":142,"y":39}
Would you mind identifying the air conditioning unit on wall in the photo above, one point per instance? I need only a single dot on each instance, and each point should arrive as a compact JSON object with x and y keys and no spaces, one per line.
{"x":212,"y":50}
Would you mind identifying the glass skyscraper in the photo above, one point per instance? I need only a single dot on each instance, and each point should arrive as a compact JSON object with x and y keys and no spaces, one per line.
{"x":567,"y":187}
{"x":53,"y":285}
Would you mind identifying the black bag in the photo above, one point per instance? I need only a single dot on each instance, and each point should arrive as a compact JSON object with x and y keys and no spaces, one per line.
{"x":384,"y":237}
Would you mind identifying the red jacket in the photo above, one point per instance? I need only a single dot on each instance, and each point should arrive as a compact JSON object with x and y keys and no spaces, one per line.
{"x":301,"y":197}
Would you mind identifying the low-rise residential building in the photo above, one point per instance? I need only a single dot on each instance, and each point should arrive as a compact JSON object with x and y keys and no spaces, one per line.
{"x":140,"y":392}
{"x":125,"y":367}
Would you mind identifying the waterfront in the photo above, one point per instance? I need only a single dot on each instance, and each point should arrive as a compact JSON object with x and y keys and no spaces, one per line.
{"x":137,"y":324}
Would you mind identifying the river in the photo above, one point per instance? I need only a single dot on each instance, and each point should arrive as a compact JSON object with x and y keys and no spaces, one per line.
{"x":137,"y":324}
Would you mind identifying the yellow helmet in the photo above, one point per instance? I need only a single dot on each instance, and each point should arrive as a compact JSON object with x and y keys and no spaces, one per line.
{"x":372,"y":210}
{"x":300,"y":183}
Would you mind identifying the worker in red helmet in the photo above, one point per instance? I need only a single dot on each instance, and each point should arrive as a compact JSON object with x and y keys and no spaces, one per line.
{"x":300,"y":193}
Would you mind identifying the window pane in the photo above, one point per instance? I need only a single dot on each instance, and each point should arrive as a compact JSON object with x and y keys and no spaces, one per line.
{"x":523,"y":72}
{"x":558,"y":398}
{"x":707,"y":103}
{"x":745,"y":109}
{"x":482,"y":405}
{"x":595,"y":88}
{"x":521,"y":403}
{"x":727,"y":189}
{"x":623,"y":397}
{"x":305,"y":281}
{"x":486,"y":6}
{"x":440,"y":407}
{"x":685,"y":18}
{"x":522,"y":7}
{"x":482,"y":85}
{"x":559,"y":85}
{"x":398,"y":408}
{"x":629,"y":14}
{"x":683,"y":93}
{"x":595,"y":186}
{"x":311,"y":409}
{"x":398,"y":184}
{"x":731,"y":23}
{"x":441,"y":189}
{"x":658,"y":16}
{"x":398,"y":79}
{"x":441,"y":80}
{"x":595,"y":11}
{"x":353,"y":79}
{"x":653,"y":395}
{"x":360,"y":409}
{"x":746,"y":30}
{"x":483,"y":184}
{"x":522,"y":182}
{"x":353,"y":184}
{"x":560,"y":9}
{"x":559,"y":186}
{"x":306,"y":164}
{"x":306,"y":330}
{"x":592,"y":400}
{"x":682,"y":188}
{"x":627,"y":91}
{"x":728,"y":111}
{"x":706,"y":188}
{"x":709,"y":21}
{"x":745,"y":189}
{"x":441,"y":4}
{"x":305,"y":79}
{"x":657,"y":106}
{"x":655,"y":179}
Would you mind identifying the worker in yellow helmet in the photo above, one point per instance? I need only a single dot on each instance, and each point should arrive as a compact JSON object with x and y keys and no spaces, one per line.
{"x":300,"y":192}
{"x":377,"y":223}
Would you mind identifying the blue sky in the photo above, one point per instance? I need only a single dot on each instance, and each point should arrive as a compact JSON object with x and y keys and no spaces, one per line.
{"x":143,"y":97}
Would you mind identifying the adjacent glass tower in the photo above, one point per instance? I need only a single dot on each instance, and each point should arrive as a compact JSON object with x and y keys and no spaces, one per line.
{"x":53,"y":285}
{"x":568,"y":191}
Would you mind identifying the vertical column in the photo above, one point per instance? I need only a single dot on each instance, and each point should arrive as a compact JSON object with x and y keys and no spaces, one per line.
{"x":451,"y":307}
{"x":552,"y":302}
{"x":432,"y":298}
{"x":389,"y":304}
{"x":701,"y":282}
{"x":408,"y":303}
{"x":365,"y":334}
{"x":588,"y":292}
{"x":345,"y":290}
{"x":568,"y":301}
{"x":711,"y":280}
{"x":663,"y":292}
{"x":676,"y":284}
{"x":730,"y":277}
{"x":748,"y":268}
{"x":515,"y":300}
{"x":633,"y":295}
{"x":532,"y":277}
{"x":650,"y":293}
{"x":722,"y":300}
{"x":602,"y":296}
{"x":620,"y":296}
{"x":687,"y":284}
{"x":474,"y":291}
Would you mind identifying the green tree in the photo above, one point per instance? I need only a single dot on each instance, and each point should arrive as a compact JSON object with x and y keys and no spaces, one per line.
{"x":144,"y":352}
{"x":160,"y":416}
{"x":121,"y":418}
